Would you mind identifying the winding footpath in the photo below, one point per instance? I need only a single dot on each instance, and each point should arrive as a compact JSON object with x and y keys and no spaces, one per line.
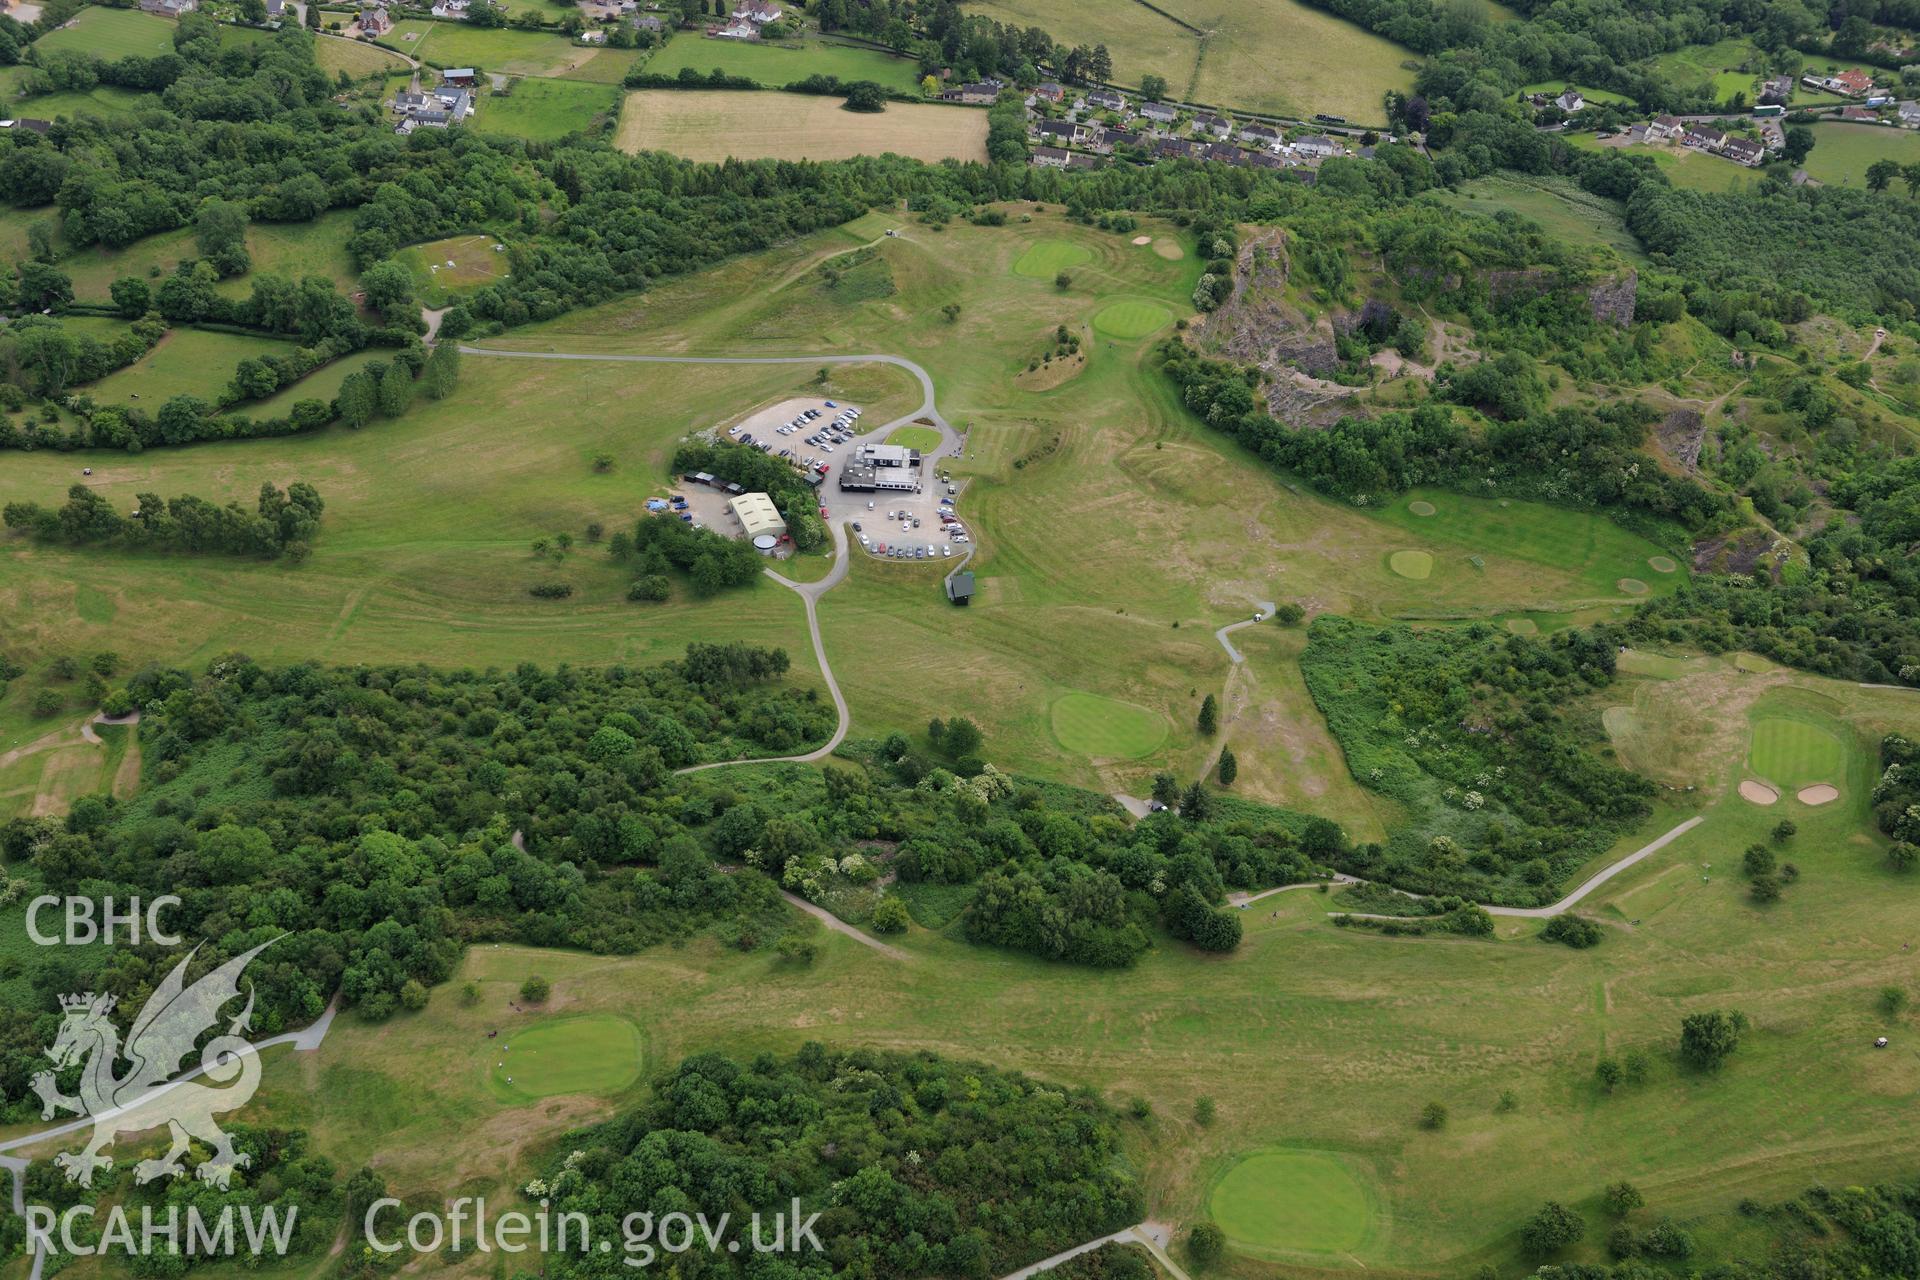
{"x":1599,"y":878}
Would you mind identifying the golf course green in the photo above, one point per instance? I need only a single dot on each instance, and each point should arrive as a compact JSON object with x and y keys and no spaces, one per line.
{"x":592,"y":1053}
{"x":1281,"y":1201}
{"x":1104,"y":727}
{"x":1131,"y":319}
{"x":1047,"y":258}
{"x":1411,"y":564}
{"x":1792,"y":752}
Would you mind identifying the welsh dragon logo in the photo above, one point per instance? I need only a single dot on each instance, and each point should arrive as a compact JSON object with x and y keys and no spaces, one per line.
{"x":141,"y":1098}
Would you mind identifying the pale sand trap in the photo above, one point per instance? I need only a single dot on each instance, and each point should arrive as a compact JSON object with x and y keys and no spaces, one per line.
{"x":1819,"y":794}
{"x":1757,"y":793}
{"x":1143,"y":239}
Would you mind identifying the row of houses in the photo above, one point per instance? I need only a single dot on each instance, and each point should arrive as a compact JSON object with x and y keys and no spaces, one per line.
{"x":1701,"y":137}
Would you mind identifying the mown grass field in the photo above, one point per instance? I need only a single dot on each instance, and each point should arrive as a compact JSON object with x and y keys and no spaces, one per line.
{"x":506,"y":51}
{"x":356,"y":58}
{"x":1796,"y":750}
{"x":715,"y":124}
{"x":1842,"y":153}
{"x":102,"y":101}
{"x":545,"y":110}
{"x":1555,"y":88}
{"x":110,"y":34}
{"x":445,"y":270}
{"x":1094,"y":726}
{"x":774,"y":65}
{"x":192,"y":362}
{"x":1369,"y":1029}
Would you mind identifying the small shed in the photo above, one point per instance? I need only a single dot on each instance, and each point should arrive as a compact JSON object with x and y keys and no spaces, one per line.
{"x":960,"y":588}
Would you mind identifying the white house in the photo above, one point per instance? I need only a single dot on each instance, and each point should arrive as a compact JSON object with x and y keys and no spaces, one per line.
{"x":1570,"y":101}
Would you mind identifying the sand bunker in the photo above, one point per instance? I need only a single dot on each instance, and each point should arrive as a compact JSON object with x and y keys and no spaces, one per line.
{"x":1757,"y":792}
{"x":1143,"y":239}
{"x":1632,"y":586}
{"x":1662,"y":564}
{"x":1820,"y":793}
{"x":1421,"y":508}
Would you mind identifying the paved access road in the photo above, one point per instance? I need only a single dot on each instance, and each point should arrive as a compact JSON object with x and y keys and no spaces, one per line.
{"x":809,"y":592}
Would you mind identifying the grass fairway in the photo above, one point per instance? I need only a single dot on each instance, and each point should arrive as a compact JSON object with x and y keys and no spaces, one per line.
{"x":774,"y":65}
{"x":1795,"y":751}
{"x":1132,"y":319}
{"x":1842,"y":152}
{"x":1601,"y":553}
{"x":1281,"y":1201}
{"x":111,"y":34}
{"x":186,"y":362}
{"x":714,"y":124}
{"x":546,"y":110}
{"x":925,"y":439}
{"x":446,"y":270}
{"x":1417,"y":565}
{"x":1104,"y":727}
{"x":1046,"y":259}
{"x":593,"y":1053}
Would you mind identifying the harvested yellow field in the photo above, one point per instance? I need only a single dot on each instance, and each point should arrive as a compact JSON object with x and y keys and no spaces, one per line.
{"x":714,"y":124}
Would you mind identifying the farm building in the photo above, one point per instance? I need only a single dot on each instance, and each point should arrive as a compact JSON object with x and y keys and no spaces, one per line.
{"x":960,"y":588}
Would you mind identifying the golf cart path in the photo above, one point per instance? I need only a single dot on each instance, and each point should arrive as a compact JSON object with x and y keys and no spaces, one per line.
{"x":1247,"y":899}
{"x":1601,"y":877}
{"x":838,"y":925}
{"x":1154,"y":1235}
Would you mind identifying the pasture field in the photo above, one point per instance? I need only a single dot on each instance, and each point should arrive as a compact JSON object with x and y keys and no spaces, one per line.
{"x":1560,"y":206}
{"x":1094,"y":726}
{"x":774,"y":65}
{"x":185,"y":362}
{"x":1280,"y":56}
{"x":505,"y":51}
{"x":1842,"y":152}
{"x":446,"y":270}
{"x":1349,"y":1177}
{"x":591,"y":1053}
{"x":1266,"y":55}
{"x":103,"y":101}
{"x":355,"y":57}
{"x":322,"y":384}
{"x":1715,"y":64}
{"x":110,"y":34}
{"x":1128,"y":529}
{"x":715,"y":124}
{"x":545,"y":110}
{"x":293,"y":249}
